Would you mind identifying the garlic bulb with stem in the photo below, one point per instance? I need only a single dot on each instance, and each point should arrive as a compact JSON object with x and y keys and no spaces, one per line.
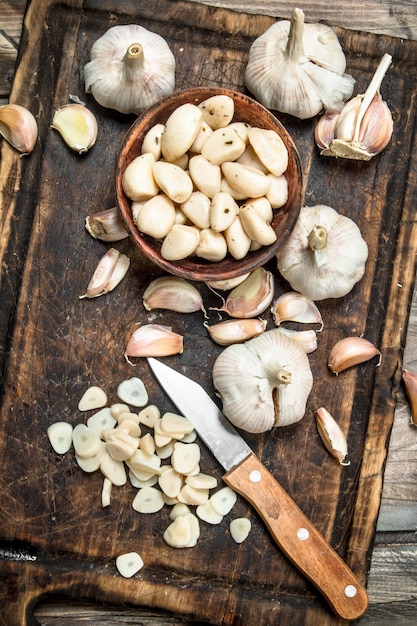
{"x":130,"y":69}
{"x":298,"y":68}
{"x":325,"y":255}
{"x":19,"y":127}
{"x":264,"y":382}
{"x":364,"y":126}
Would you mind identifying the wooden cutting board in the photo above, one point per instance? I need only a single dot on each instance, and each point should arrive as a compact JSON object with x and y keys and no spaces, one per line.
{"x":55,"y":538}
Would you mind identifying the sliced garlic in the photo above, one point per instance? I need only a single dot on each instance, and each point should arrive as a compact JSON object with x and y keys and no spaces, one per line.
{"x":217,"y":111}
{"x":410,"y":383}
{"x":170,"y":481}
{"x":185,"y":457}
{"x":179,"y":533}
{"x":150,"y":464}
{"x":106,"y":492}
{"x":60,"y":436}
{"x":223,"y":500}
{"x":93,"y":398}
{"x":120,"y":445}
{"x":19,"y":127}
{"x":293,"y":306}
{"x":92,"y":463}
{"x":233,"y":331}
{"x":86,"y":442}
{"x":102,"y":420}
{"x":206,"y":513}
{"x":240,"y":529}
{"x":77,"y":126}
{"x":192,"y":496}
{"x":153,"y":340}
{"x":130,"y":69}
{"x":173,"y":294}
{"x":113,"y":470}
{"x":110,"y":271}
{"x":175,"y":425}
{"x":133,"y":392}
{"x":149,"y":416}
{"x":148,"y":500}
{"x":129,"y":564}
{"x":351,"y":351}
{"x":181,"y":129}
{"x":252,"y":296}
{"x":106,"y":225}
{"x":332,"y":435}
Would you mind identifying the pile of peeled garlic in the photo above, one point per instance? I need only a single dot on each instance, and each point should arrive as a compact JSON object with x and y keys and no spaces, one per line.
{"x":298,"y":68}
{"x":130,"y":69}
{"x":207,"y":186}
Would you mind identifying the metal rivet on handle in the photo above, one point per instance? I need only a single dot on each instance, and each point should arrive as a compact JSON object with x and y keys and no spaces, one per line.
{"x":303,"y":534}
{"x":255,"y":476}
{"x":350,"y":591}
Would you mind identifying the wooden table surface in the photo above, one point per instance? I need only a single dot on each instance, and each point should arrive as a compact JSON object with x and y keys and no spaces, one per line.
{"x":392,"y":582}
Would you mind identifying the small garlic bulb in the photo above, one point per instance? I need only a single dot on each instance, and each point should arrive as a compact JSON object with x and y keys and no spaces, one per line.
{"x":130,"y":69}
{"x":325,"y":255}
{"x":298,"y":68}
{"x":264,"y":382}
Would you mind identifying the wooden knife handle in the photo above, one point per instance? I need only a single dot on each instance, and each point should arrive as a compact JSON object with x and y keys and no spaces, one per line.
{"x":298,"y":538}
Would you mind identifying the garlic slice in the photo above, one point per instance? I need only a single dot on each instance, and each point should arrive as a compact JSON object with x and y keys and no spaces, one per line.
{"x":173,"y":294}
{"x":19,"y":127}
{"x":310,"y":65}
{"x":332,"y":435}
{"x":129,"y":564}
{"x":77,"y":126}
{"x":351,"y":351}
{"x":153,"y":340}
{"x":294,"y":307}
{"x":130,"y":69}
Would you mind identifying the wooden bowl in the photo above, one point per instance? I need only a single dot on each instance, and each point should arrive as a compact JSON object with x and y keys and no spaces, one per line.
{"x":193,"y":267}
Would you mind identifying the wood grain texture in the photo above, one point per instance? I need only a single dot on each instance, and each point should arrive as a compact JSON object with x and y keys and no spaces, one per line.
{"x":391,"y":575}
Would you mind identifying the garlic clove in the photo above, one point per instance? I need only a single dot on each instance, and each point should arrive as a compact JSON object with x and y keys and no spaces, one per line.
{"x":212,"y":246}
{"x":294,"y":307}
{"x":270,"y":149}
{"x":19,"y":127}
{"x":332,"y":435}
{"x":77,"y":126}
{"x":351,"y":351}
{"x":130,"y":69}
{"x":205,"y":176}
{"x":109,"y":272}
{"x":246,"y":180}
{"x":152,"y":141}
{"x":251,"y":297}
{"x":410,"y":383}
{"x":181,"y":241}
{"x":173,"y":181}
{"x":237,"y":239}
{"x":156,"y":216}
{"x":277,"y":194}
{"x":153,"y":340}
{"x":307,"y":339}
{"x":223,"y":210}
{"x":224,"y":144}
{"x":181,"y":129}
{"x":259,"y":230}
{"x":236,"y":331}
{"x":106,"y":225}
{"x":197,"y":209}
{"x":217,"y":111}
{"x":173,"y":294}
{"x":138,"y":181}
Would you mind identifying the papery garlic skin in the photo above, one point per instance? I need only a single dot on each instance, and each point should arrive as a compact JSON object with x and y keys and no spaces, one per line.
{"x":325,"y":255}
{"x":264,"y":382}
{"x":298,"y":68}
{"x":19,"y":127}
{"x":130,"y":69}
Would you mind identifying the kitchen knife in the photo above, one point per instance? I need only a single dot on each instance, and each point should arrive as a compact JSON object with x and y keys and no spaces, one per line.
{"x":290,"y":528}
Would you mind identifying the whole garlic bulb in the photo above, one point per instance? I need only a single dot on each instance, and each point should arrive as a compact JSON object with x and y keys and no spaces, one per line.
{"x":264,"y":382}
{"x":298,"y":68}
{"x":130,"y":69}
{"x":325,"y":255}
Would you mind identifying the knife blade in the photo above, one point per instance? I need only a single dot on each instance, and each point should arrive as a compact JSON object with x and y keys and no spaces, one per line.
{"x":290,"y":528}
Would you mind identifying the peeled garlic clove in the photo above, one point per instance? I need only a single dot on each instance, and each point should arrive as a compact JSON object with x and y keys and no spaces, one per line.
{"x":156,"y":217}
{"x":181,"y":241}
{"x":256,"y":227}
{"x":270,"y":149}
{"x":351,"y":351}
{"x":173,"y":181}
{"x":205,"y":176}
{"x":204,"y":132}
{"x":197,"y":209}
{"x":237,"y":239}
{"x":218,"y":111}
{"x":294,"y":307}
{"x":152,"y":141}
{"x":332,"y":435}
{"x":224,"y":144}
{"x":410,"y":383}
{"x":252,"y":296}
{"x":153,"y":340}
{"x":212,"y":246}
{"x":110,"y":270}
{"x":19,"y":127}
{"x":246,"y":180}
{"x":181,"y":128}
{"x":173,"y":294}
{"x":77,"y":126}
{"x":138,"y":181}
{"x":236,"y":331}
{"x":277,"y":194}
{"x":106,"y":225}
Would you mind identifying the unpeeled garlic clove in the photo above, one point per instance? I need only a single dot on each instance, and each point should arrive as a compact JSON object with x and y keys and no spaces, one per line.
{"x":294,"y":307}
{"x":307,"y":339}
{"x":19,"y":127}
{"x":251,"y":297}
{"x":106,"y":225}
{"x":410,"y":383}
{"x":153,"y":340}
{"x":109,"y":272}
{"x":236,"y":331}
{"x":77,"y":126}
{"x":351,"y":351}
{"x":173,"y":294}
{"x":332,"y":435}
